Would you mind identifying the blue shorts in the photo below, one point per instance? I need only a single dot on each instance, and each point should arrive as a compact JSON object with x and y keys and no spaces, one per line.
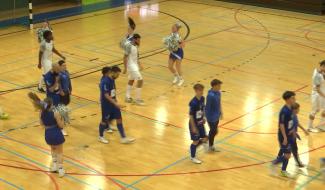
{"x":179,"y":54}
{"x":202,"y":133}
{"x":109,"y":114}
{"x":54,"y":136}
{"x":285,"y":148}
{"x":56,"y":98}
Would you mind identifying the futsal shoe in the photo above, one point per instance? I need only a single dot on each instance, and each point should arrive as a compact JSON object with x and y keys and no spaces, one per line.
{"x":64,"y":132}
{"x":109,"y":130}
{"x":273,"y":169}
{"x":139,"y":102}
{"x":181,"y":82}
{"x":4,"y":116}
{"x":175,"y":81}
{"x":128,"y":100}
{"x":286,"y":174}
{"x":313,"y":130}
{"x":102,"y":140}
{"x":214,"y":149}
{"x":61,"y":172}
{"x":54,"y":167}
{"x":196,"y":161}
{"x":301,"y":165}
{"x":127,"y":140}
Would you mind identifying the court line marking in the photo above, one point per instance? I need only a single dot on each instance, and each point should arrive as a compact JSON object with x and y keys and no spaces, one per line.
{"x":11,"y":184}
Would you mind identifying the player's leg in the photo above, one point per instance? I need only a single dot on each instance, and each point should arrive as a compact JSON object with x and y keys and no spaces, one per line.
{"x":138,"y":99}
{"x":128,"y":97}
{"x":103,"y":125}
{"x":171,"y":63}
{"x":54,"y":163}
{"x":285,"y":162}
{"x":212,"y":133}
{"x":179,"y":56}
{"x":315,"y":101}
{"x":119,"y":123}
{"x":193,"y":148}
{"x":295,"y":154}
{"x":59,"y":149}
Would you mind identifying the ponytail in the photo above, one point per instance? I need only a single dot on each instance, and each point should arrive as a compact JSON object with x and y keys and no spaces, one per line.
{"x":38,"y":103}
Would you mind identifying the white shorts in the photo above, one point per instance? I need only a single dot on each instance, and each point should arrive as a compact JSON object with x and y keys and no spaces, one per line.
{"x":317,"y":103}
{"x":46,"y":66}
{"x":135,"y":75}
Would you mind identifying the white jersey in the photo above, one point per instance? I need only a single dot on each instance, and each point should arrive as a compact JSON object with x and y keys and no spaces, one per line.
{"x":133,"y":56}
{"x":318,"y":80}
{"x":46,"y":48}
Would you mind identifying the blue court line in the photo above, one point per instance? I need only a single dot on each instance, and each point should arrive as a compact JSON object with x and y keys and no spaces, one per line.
{"x":313,"y":178}
{"x":11,"y":184}
{"x":40,"y":164}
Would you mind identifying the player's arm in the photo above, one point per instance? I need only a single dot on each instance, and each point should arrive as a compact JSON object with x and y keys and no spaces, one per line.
{"x":57,"y":53}
{"x":319,"y":91}
{"x":55,"y":85}
{"x":112,"y":100}
{"x":40,"y":55}
{"x":302,"y":128}
{"x":125,"y":62}
{"x":59,"y":120}
{"x":282,"y":130}
{"x":192,"y":124}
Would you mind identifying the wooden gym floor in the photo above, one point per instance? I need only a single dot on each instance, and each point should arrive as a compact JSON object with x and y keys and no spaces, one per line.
{"x":257,"y":52}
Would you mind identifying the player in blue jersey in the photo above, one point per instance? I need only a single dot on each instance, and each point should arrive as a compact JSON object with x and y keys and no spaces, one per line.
{"x":213,"y":112}
{"x":285,"y":119}
{"x":111,"y":109}
{"x":293,"y":134}
{"x":52,"y":123}
{"x":197,"y":121}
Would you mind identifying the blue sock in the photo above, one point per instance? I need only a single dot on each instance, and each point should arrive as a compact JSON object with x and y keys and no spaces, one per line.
{"x":121,"y":130}
{"x":193,"y":150}
{"x":102,"y":128}
{"x":285,"y":164}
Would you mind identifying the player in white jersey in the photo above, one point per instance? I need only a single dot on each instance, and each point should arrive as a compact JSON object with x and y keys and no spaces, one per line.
{"x":133,"y":67}
{"x":317,"y":96}
{"x":45,"y":56}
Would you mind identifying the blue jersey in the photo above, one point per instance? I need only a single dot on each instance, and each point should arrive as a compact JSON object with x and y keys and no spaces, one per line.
{"x":107,"y":86}
{"x":49,"y":79}
{"x":197,"y":110}
{"x":286,"y":119}
{"x":213,"y":106}
{"x":65,"y":81}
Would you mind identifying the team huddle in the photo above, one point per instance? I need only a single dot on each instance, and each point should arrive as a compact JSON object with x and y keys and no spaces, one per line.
{"x":54,"y":113}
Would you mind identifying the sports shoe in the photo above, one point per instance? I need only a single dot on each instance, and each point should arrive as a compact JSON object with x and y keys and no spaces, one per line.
{"x":300,"y":165}
{"x":128,"y":100}
{"x":213,"y":149}
{"x":285,"y":174}
{"x":313,"y":130}
{"x":181,"y":82}
{"x":61,"y":172}
{"x":4,"y":116}
{"x":64,"y":132}
{"x":127,"y":140}
{"x":139,"y":102}
{"x":176,"y":79}
{"x":103,"y":140}
{"x":41,"y":90}
{"x":196,"y":161}
{"x":109,"y":130}
{"x":54,"y":167}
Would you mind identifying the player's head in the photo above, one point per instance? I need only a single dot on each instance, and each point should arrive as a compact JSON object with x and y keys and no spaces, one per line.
{"x":136,"y":39}
{"x":63,"y":65}
{"x":198,"y":88}
{"x":39,"y":104}
{"x":176,"y":27}
{"x":56,"y":68}
{"x":106,"y":71}
{"x":295,"y":108}
{"x":48,"y":36}
{"x":289,"y":97}
{"x":216,"y":84}
{"x":115,"y":72}
{"x":322,"y":66}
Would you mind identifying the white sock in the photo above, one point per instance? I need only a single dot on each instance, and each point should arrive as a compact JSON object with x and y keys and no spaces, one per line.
{"x":128,"y":91}
{"x":138,"y":93}
{"x":41,"y":82}
{"x":180,"y":77}
{"x":60,"y":160}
